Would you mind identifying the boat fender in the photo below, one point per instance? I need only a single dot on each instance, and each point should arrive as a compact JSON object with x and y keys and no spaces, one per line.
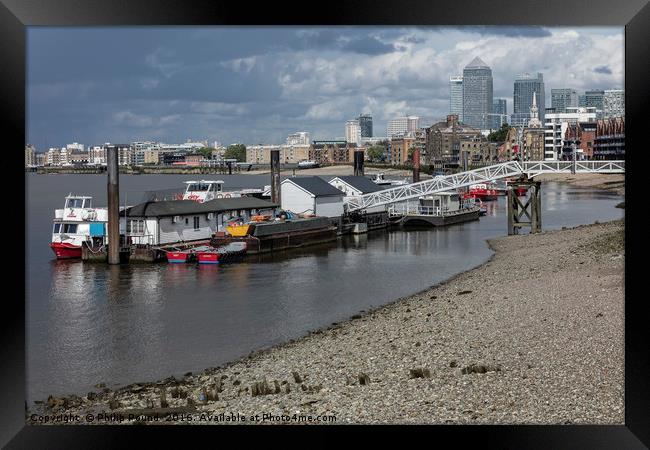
{"x":226,"y":196}
{"x":219,"y":196}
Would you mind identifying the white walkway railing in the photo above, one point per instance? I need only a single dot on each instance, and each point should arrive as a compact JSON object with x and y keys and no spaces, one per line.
{"x":482,"y":175}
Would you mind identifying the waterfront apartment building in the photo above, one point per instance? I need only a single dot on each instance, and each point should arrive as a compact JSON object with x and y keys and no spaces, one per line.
{"x":561,"y":99}
{"x":299,"y":138}
{"x":139,"y":150}
{"x":443,"y":140}
{"x":332,"y":152}
{"x":30,"y":156}
{"x":456,"y":96}
{"x":477,"y":94}
{"x":365,"y":123}
{"x":57,"y":156}
{"x":533,"y":144}
{"x":97,"y":155}
{"x":289,"y":154}
{"x":401,"y":125}
{"x":556,"y":125}
{"x":400,"y":148}
{"x":609,"y":141}
{"x":41,"y":159}
{"x":525,"y":87}
{"x":353,"y":131}
{"x":613,"y":103}
{"x":585,"y":133}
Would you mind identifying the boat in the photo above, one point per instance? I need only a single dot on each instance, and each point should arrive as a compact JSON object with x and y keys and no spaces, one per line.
{"x":204,"y":190}
{"x":177,"y":256}
{"x":76,"y":223}
{"x":439,"y":209}
{"x":238,"y":228}
{"x":224,"y":253}
{"x":308,"y":164}
{"x":382,"y":181}
{"x":483,"y":191}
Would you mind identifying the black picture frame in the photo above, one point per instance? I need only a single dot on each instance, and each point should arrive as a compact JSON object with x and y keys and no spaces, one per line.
{"x":16,"y":15}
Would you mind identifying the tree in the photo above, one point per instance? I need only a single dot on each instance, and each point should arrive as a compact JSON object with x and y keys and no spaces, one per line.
{"x":499,"y":135}
{"x":206,"y":152}
{"x":376,"y":152}
{"x":236,"y":151}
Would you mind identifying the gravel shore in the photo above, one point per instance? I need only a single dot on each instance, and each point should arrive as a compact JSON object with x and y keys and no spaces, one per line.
{"x":608,"y":181}
{"x":534,"y":336}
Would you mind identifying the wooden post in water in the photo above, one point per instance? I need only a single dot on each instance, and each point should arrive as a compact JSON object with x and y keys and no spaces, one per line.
{"x":113,"y":204}
{"x":416,"y":165}
{"x":275,"y":177}
{"x":358,"y":163}
{"x":510,"y":211}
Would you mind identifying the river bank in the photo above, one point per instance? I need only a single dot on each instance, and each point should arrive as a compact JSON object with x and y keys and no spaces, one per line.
{"x":535,"y":335}
{"x":609,"y":181}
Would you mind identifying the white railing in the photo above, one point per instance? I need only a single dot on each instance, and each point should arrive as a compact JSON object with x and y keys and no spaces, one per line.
{"x":482,"y":175}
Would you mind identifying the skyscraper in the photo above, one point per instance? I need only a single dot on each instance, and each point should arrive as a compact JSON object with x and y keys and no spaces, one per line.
{"x":353,"y":131}
{"x":477,"y":94}
{"x":365,"y":122}
{"x":614,"y":103}
{"x":499,"y":107}
{"x":561,"y":99}
{"x":525,"y":86}
{"x":401,"y":125}
{"x":456,"y":96}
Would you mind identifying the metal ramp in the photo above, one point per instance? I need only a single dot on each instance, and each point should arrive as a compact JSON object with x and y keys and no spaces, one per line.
{"x":482,"y":175}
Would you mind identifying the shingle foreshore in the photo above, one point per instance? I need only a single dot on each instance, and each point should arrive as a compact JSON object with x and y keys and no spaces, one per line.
{"x":533,"y":336}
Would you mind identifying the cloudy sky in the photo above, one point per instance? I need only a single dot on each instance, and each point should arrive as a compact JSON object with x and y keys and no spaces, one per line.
{"x":258,"y":84}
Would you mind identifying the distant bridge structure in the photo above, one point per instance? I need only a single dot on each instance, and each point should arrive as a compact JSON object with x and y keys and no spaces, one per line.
{"x":528,"y":169}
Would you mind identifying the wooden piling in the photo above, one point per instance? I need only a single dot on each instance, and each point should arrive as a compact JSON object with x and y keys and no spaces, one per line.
{"x":275,"y":177}
{"x":358,"y":163}
{"x":113,"y":205}
{"x":416,"y":165}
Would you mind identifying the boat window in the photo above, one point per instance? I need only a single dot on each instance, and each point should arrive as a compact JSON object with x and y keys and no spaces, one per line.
{"x":196,"y":223}
{"x":75,"y":202}
{"x":198,"y":187}
{"x":69,"y":228}
{"x":135,"y":226}
{"x":57,"y":227}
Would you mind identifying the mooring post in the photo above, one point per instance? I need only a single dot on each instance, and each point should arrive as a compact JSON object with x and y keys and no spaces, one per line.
{"x":538,"y":204}
{"x":510,"y":213}
{"x":275,"y":177}
{"x":416,"y":165}
{"x":358,"y":163}
{"x":113,"y":204}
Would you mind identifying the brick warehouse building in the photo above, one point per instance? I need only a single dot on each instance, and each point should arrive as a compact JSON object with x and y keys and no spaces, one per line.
{"x":585,"y":132}
{"x":610,"y":139}
{"x":332,"y":152}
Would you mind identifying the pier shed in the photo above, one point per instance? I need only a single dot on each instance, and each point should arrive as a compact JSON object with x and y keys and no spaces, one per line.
{"x":176,"y":221}
{"x":311,"y":195}
{"x":354,"y":186}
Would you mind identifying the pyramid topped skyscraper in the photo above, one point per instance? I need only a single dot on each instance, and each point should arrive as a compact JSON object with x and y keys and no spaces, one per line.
{"x":477,"y":94}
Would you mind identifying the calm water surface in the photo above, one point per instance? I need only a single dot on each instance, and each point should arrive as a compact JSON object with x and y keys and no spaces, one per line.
{"x":91,"y":323}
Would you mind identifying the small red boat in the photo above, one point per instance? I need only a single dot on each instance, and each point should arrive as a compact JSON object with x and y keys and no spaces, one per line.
{"x":177,"y":256}
{"x":482,"y":191}
{"x":225,"y":253}
{"x":63,"y":250}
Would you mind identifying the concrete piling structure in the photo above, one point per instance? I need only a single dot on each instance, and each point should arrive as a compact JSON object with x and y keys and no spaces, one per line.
{"x":275,"y":177}
{"x":113,"y":205}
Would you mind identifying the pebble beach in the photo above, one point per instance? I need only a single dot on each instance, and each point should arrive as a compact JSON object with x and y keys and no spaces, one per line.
{"x":533,"y":336}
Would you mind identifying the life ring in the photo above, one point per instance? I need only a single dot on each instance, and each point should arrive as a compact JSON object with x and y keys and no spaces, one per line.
{"x":226,"y":196}
{"x":219,"y":196}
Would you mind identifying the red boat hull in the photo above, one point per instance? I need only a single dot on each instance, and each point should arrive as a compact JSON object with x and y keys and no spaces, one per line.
{"x":208,"y":257}
{"x":484,"y":194}
{"x":65,"y":251}
{"x":176,"y":257}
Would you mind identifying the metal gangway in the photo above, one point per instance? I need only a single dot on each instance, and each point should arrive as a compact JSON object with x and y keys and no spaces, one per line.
{"x":482,"y":175}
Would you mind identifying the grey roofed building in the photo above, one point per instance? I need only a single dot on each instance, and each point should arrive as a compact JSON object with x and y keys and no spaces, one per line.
{"x":362,"y":184}
{"x":316,"y":186}
{"x":183,"y":207}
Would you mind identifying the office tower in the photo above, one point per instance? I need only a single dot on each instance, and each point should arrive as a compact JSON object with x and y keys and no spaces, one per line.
{"x":365,"y":122}
{"x":456,"y":96}
{"x":561,"y":99}
{"x":525,"y":86}
{"x":477,"y":94}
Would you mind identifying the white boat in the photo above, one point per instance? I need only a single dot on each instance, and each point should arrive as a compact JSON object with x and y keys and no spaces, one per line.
{"x":380,"y":180}
{"x":307,"y":164}
{"x":204,"y":190}
{"x":77,"y":222}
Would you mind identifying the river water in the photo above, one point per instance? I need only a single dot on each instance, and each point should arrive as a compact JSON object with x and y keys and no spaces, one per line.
{"x":91,"y":323}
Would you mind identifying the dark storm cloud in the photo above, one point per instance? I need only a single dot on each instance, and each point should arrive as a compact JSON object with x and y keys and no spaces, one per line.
{"x":368,"y":46}
{"x":603,"y":69}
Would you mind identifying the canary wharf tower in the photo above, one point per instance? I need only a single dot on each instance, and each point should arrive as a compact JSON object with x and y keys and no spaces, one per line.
{"x":477,"y":94}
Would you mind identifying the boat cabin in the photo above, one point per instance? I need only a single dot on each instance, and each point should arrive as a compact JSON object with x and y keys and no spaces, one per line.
{"x":78,"y":221}
{"x":441,"y":202}
{"x":204,"y":190}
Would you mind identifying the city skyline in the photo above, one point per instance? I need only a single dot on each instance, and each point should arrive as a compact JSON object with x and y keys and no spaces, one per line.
{"x":259,"y":84}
